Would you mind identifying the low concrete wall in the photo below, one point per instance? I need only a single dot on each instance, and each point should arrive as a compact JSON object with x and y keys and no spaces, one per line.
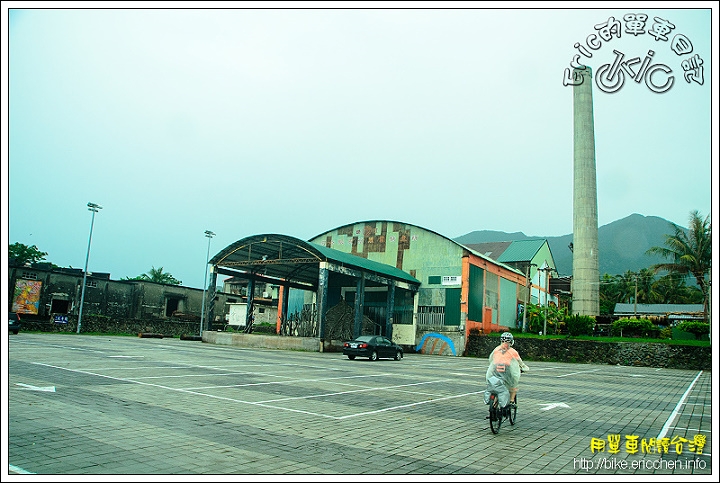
{"x":311,"y":344}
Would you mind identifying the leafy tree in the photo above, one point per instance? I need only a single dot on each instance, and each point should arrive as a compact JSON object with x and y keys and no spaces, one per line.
{"x":689,"y":252}
{"x":25,"y":254}
{"x":698,"y":329}
{"x":156,"y":275}
{"x":555,"y":318}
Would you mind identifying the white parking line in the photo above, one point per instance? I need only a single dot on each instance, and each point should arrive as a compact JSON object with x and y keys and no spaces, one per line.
{"x":20,"y":471}
{"x":264,"y":404}
{"x":676,"y":411}
{"x":575,"y":373}
{"x":281,"y":382}
{"x":341,"y":393}
{"x":407,"y":405}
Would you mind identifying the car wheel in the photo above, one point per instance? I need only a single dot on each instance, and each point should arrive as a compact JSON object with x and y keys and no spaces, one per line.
{"x":398,"y":355}
{"x":373,"y":356}
{"x":351,"y":357}
{"x":15,"y":332}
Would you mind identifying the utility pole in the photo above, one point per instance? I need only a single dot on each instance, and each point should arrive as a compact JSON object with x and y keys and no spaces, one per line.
{"x":545,"y":269}
{"x":94,"y":208}
{"x":209,"y":236}
{"x":635,"y":314}
{"x":527,"y":295}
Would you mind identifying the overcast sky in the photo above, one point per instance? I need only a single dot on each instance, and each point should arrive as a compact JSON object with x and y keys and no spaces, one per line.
{"x":297,"y":121}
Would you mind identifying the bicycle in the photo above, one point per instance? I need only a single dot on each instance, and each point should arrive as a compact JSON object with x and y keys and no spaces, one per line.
{"x":498,"y":415}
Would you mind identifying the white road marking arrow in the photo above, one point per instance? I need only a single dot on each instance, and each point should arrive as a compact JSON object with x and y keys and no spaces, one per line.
{"x":554,"y":405}
{"x":35,"y":388}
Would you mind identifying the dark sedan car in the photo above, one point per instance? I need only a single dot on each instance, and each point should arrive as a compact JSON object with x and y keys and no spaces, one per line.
{"x":14,"y":322}
{"x":373,"y":347}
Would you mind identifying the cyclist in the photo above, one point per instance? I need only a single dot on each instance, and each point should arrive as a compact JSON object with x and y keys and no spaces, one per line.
{"x":506,"y":364}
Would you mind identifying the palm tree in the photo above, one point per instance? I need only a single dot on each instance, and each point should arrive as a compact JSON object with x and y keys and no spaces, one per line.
{"x":690,"y":253}
{"x":626,"y":286}
{"x":609,"y":294}
{"x":158,"y":276}
{"x":672,"y":289}
{"x":646,"y":292}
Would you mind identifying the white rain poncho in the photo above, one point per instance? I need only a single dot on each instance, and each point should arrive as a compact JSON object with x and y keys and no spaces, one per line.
{"x":497,"y":386}
{"x":503,"y":372}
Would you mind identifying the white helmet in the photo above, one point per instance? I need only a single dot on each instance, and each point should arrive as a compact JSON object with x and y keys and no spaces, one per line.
{"x":507,"y":337}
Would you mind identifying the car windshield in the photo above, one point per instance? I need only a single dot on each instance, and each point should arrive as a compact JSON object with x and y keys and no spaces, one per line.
{"x":365,"y":338}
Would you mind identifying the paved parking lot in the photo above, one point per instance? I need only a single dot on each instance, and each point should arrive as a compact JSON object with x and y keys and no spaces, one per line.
{"x":96,"y":405}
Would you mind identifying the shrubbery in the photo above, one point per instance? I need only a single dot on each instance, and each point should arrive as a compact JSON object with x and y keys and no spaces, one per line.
{"x":580,"y":324}
{"x":626,"y":327}
{"x":698,"y":329}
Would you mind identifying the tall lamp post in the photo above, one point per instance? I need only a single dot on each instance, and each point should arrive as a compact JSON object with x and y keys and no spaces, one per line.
{"x":546,"y":270}
{"x":94,"y":208}
{"x":528,"y":287}
{"x":209,"y":236}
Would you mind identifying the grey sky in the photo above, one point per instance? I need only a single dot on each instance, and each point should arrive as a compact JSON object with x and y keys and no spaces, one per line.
{"x":296,"y":121}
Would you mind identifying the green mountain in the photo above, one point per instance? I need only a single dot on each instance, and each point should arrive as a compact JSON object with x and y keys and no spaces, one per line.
{"x":621,"y":244}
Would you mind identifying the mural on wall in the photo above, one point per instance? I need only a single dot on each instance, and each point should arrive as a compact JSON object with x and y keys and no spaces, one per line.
{"x":429,"y":344}
{"x":372,"y":241}
{"x":26,"y":298}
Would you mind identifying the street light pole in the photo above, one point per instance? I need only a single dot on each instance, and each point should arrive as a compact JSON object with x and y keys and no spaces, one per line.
{"x":545,"y":271}
{"x":528,"y":287}
{"x":209,"y":236}
{"x":94,"y":208}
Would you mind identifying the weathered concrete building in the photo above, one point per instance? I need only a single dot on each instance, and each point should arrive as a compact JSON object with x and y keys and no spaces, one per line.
{"x":403,"y":281}
{"x":40,"y":290}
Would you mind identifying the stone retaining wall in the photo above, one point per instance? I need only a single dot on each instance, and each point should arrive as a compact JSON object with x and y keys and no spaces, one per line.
{"x":599,"y":352}
{"x":558,"y":350}
{"x":106,"y":325}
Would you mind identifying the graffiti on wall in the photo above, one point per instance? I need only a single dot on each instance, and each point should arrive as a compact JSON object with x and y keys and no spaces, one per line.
{"x":26,"y":298}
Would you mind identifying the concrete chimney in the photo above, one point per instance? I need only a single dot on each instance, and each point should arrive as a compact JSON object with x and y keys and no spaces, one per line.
{"x":586,"y":267}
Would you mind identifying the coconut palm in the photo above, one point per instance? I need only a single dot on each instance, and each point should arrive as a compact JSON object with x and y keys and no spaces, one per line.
{"x":689,"y":252}
{"x":158,"y":276}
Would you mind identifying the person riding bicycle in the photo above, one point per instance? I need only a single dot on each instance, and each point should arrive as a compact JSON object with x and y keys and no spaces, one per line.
{"x":506,"y":366}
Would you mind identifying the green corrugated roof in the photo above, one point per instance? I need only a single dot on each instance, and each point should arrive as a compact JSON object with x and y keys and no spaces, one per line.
{"x":521,"y":251}
{"x":289,"y":258}
{"x":364,"y":263}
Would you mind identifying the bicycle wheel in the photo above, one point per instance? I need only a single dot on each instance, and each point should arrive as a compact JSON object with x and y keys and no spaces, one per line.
{"x":495,"y":415}
{"x":513,"y":412}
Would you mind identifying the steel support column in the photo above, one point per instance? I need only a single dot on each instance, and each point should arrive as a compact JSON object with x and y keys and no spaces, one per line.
{"x":390,"y":311}
{"x":322,"y":300}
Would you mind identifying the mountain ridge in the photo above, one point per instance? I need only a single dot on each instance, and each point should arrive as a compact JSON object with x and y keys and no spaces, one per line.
{"x":622,"y":244}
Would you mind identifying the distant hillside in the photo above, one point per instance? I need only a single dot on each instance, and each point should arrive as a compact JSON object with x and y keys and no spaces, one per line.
{"x":622,"y":244}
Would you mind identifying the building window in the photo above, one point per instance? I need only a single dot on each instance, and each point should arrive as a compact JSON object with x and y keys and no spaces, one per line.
{"x":172,"y":305}
{"x":29,"y":275}
{"x":59,"y":306}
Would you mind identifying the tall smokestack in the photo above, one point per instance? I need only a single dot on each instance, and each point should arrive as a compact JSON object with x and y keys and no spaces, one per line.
{"x":586,"y":268}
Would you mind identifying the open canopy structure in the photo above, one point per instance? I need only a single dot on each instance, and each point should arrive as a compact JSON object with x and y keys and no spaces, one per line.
{"x":294,"y":263}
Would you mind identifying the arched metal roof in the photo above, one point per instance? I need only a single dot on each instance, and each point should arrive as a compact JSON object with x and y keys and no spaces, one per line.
{"x":288,"y":258}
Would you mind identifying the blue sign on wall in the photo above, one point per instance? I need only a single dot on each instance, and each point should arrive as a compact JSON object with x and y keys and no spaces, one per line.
{"x":60,"y":319}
